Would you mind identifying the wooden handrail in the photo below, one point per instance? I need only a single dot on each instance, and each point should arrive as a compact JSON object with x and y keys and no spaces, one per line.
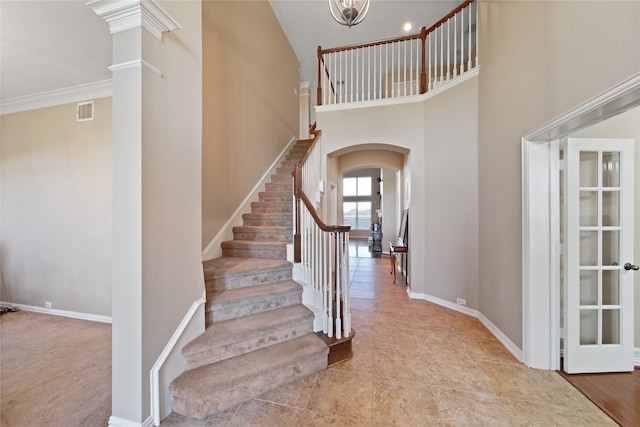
{"x":423,"y":33}
{"x":312,"y":210}
{"x":300,"y":195}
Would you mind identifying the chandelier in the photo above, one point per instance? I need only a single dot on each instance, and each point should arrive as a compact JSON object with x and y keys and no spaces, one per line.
{"x":349,"y":12}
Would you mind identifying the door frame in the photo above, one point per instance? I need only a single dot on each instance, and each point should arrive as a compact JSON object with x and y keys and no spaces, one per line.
{"x":540,"y":211}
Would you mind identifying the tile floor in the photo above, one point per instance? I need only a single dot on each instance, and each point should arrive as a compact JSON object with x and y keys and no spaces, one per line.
{"x":415,"y":364}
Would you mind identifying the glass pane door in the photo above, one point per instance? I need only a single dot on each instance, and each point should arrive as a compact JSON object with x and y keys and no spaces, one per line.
{"x":599,"y":238}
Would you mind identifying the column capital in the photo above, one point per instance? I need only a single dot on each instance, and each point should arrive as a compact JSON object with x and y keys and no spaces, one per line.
{"x":122,"y":15}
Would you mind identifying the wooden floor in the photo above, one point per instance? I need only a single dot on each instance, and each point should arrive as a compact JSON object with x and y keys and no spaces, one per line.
{"x":616,"y":394}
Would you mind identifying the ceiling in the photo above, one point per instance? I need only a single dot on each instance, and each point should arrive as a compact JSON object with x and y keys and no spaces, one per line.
{"x":52,"y":44}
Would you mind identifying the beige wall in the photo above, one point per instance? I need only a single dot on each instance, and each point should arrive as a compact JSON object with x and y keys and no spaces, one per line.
{"x":56,"y":209}
{"x":438,"y":176}
{"x":250,"y":105}
{"x":538,"y":60}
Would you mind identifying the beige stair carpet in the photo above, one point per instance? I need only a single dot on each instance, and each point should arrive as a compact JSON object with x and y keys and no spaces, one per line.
{"x":259,"y":335}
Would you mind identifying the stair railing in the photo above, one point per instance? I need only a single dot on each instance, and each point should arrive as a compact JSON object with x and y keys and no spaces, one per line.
{"x":403,"y":66}
{"x":321,"y":249}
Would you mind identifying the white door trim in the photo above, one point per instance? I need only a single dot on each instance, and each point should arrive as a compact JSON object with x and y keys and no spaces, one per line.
{"x":540,"y":281}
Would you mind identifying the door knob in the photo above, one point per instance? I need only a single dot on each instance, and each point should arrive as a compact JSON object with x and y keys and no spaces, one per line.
{"x":629,"y":266}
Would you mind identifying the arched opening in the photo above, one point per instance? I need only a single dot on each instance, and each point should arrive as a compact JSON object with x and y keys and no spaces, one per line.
{"x":368,"y":190}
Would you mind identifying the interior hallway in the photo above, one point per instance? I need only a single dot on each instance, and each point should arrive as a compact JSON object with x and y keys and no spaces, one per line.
{"x":415,"y":364}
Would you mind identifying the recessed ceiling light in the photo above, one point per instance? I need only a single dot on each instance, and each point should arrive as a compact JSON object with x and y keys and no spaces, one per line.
{"x":407,"y":26}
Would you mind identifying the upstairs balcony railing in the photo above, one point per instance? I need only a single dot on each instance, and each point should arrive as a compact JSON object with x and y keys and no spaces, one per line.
{"x":403,"y":66}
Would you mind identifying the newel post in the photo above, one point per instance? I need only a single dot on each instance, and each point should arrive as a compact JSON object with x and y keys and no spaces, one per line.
{"x":423,"y":66}
{"x":297,"y":237}
{"x":319,"y":94}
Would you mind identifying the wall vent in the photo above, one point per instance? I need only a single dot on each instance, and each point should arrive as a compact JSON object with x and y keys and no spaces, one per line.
{"x":84,"y":111}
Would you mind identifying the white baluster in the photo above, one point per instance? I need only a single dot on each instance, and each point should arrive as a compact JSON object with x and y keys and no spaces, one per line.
{"x":441,"y":53}
{"x":469,"y":66}
{"x":477,"y":32}
{"x":448,"y":49}
{"x":338,"y":286}
{"x":347,"y":307}
{"x":455,"y":44}
{"x":462,"y":61}
{"x":369,"y":74}
{"x":350,"y":82}
{"x":386,"y":67}
{"x":404,"y":92}
{"x":429,"y":42}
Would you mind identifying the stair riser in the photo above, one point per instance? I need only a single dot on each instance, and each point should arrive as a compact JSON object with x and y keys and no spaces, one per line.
{"x":275,"y":198}
{"x":283,"y":170}
{"x":271,"y":208}
{"x":218,"y":400}
{"x":269,"y":222}
{"x":283,"y":177}
{"x":237,"y":282}
{"x":215,"y":354}
{"x":256,"y":253}
{"x":264,"y":236}
{"x":282,"y":187}
{"x":218,"y":314}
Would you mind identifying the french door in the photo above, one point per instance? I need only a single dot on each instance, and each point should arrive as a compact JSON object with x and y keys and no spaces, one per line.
{"x":598,"y":257}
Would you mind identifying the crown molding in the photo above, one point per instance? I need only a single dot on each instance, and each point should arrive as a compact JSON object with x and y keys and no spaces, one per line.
{"x":69,"y":95}
{"x":126,"y":15}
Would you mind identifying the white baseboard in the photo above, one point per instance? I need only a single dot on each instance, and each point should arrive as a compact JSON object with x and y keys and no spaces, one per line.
{"x":63,"y":313}
{"x":504,"y":340}
{"x":122,"y":422}
{"x":513,"y":349}
{"x":213,"y":249}
{"x":171,"y":362}
{"x":636,"y":357}
{"x":444,"y":303}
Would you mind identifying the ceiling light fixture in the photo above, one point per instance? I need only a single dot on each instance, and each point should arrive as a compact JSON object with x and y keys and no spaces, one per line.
{"x":349,"y":12}
{"x":407,"y":26}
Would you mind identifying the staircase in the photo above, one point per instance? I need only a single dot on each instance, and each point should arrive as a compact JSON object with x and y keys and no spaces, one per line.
{"x":258,"y":334}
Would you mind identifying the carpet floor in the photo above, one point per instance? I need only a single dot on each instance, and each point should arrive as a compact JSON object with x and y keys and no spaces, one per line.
{"x":45,"y":362}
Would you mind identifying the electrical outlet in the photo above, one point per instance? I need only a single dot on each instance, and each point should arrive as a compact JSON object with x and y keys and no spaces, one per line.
{"x":47,"y":304}
{"x":461,"y":301}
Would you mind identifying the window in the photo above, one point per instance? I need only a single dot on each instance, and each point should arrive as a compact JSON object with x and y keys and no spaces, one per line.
{"x":356,"y":205}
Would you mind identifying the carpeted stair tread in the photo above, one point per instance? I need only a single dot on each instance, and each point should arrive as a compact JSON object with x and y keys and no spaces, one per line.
{"x":255,"y":249}
{"x":264,"y":228}
{"x":226,"y":267}
{"x":210,"y":388}
{"x":232,"y":337}
{"x":233,"y":296}
{"x":277,"y":219}
{"x":263,"y":233}
{"x":272,"y":207}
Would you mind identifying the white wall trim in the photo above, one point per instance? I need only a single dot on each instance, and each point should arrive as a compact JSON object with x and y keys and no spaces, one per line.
{"x":69,"y":95}
{"x":513,"y":349}
{"x":617,"y":100}
{"x":213,"y":249}
{"x":402,"y":99}
{"x":155,"y":370}
{"x":636,"y":356}
{"x":62,"y":313}
{"x":136,"y":63}
{"x":122,"y":422}
{"x":127,"y":15}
